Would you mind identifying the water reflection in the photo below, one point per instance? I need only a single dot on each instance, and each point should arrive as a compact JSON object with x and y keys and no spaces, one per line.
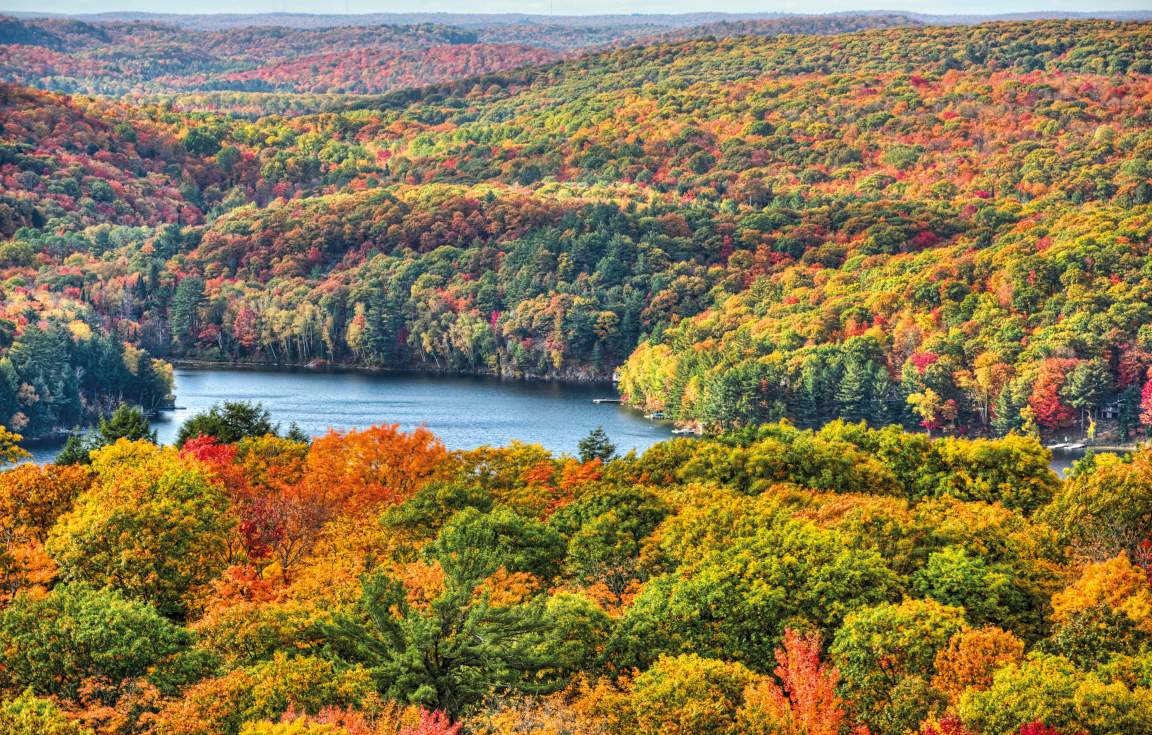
{"x":466,"y":412}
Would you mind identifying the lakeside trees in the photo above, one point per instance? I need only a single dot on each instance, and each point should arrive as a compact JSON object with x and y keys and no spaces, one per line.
{"x":59,"y":369}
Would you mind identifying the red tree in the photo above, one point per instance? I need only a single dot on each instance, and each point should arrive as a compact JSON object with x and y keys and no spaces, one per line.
{"x":431,"y":723}
{"x":1051,"y":413}
{"x":1146,"y":404}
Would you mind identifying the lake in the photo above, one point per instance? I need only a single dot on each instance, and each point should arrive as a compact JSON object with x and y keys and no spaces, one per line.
{"x":1063,"y":459}
{"x":465,"y":412}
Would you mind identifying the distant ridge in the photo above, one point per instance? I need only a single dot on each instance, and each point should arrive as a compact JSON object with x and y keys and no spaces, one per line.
{"x":218,"y":21}
{"x":153,"y":54}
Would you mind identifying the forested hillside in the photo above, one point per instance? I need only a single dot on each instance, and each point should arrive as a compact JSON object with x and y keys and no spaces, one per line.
{"x":773,"y":581}
{"x":121,"y":57}
{"x":941,"y":226}
{"x":799,"y":240}
{"x":59,"y":366}
{"x":115,"y":58}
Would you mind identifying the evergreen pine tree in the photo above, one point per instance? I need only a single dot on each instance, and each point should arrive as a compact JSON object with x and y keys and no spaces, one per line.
{"x":596,"y":446}
{"x":1006,"y":410}
{"x":853,"y":392}
{"x":879,"y":409}
{"x":184,"y":311}
{"x":126,"y":422}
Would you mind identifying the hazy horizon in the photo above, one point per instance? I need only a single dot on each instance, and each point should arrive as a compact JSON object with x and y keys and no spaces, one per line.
{"x":561,"y":7}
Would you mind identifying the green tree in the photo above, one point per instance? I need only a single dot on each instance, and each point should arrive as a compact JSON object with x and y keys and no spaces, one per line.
{"x":853,"y":392}
{"x":152,"y":526}
{"x":296,"y":434}
{"x":596,"y":446}
{"x":31,"y":715}
{"x":1096,"y":635}
{"x":987,"y":593}
{"x":43,"y":360}
{"x":126,"y":422}
{"x":184,"y":311}
{"x":879,"y":412}
{"x":1051,"y":690}
{"x":1086,"y":387}
{"x":75,"y":451}
{"x":422,"y":515}
{"x":450,"y":655}
{"x":1106,"y":508}
{"x":605,"y":533}
{"x":886,"y":655}
{"x":734,"y":602}
{"x":201,"y":142}
{"x":474,"y":545}
{"x":462,"y":646}
{"x":1013,"y":471}
{"x":1006,"y":412}
{"x":228,"y":423}
{"x":576,"y":633}
{"x":54,"y":643}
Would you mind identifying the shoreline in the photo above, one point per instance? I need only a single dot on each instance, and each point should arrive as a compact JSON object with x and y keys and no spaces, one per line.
{"x":1113,"y":448}
{"x":468,"y":411}
{"x":59,"y":435}
{"x":329,"y":367}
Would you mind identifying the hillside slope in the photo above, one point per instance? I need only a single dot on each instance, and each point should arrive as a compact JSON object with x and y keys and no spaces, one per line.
{"x":115,"y":57}
{"x":787,"y":227}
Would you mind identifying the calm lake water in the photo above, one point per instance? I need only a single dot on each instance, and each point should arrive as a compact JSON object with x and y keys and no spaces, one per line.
{"x":1063,"y":459}
{"x":465,"y":412}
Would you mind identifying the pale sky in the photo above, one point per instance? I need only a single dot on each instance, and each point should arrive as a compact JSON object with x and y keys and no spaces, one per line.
{"x":566,"y":7}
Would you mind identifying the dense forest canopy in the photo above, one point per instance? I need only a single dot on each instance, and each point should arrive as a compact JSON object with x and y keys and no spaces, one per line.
{"x":799,"y":235}
{"x":774,"y":580}
{"x":149,"y":57}
{"x":930,"y":225}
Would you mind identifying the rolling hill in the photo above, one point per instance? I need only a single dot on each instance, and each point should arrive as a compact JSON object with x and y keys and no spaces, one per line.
{"x":801,"y":227}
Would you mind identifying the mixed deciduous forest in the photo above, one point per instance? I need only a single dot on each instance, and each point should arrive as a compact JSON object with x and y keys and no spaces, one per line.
{"x":877,"y":260}
{"x":118,"y":57}
{"x":773,"y":580}
{"x":936,"y":226}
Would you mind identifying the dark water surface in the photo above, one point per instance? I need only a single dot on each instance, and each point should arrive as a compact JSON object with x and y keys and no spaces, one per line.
{"x":465,"y":412}
{"x":1063,"y":459}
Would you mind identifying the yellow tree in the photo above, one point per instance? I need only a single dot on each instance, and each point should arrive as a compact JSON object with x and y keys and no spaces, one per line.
{"x":10,"y":449}
{"x":32,"y":498}
{"x":972,"y":657}
{"x":152,"y":526}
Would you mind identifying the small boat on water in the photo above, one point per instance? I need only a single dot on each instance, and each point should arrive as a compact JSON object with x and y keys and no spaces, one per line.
{"x":684,"y":431}
{"x":606,"y":400}
{"x":1077,"y":445}
{"x":655,"y":416}
{"x":1062,"y":445}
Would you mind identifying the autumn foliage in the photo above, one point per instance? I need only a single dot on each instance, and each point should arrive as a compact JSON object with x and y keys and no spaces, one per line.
{"x":878,"y":267}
